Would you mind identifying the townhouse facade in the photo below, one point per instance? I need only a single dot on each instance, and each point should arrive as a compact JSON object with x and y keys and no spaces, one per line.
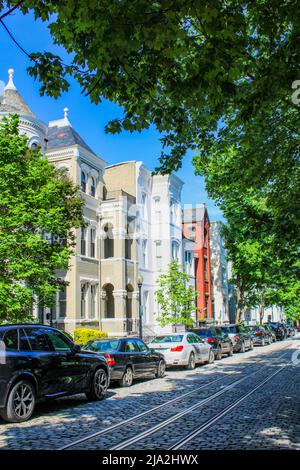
{"x":134,"y":227}
{"x":219,"y":272}
{"x":196,"y":229}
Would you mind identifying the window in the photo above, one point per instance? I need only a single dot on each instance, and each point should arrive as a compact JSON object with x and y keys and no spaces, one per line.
{"x":141,"y":345}
{"x":84,"y":288}
{"x":130,"y":346}
{"x":158,"y":254}
{"x":38,"y":339}
{"x":157,"y":210}
{"x":59,"y":342}
{"x":146,"y":305}
{"x":109,"y":301}
{"x":144,"y":206}
{"x":23,"y":341}
{"x":93,"y":300}
{"x":144,"y":254}
{"x":93,"y":187}
{"x":11,"y":340}
{"x":93,"y":243}
{"x":175,"y":250}
{"x":102,"y":346}
{"x":62,"y":302}
{"x":108,"y":241}
{"x":172,"y":210}
{"x":83,"y":182}
{"x":83,"y":242}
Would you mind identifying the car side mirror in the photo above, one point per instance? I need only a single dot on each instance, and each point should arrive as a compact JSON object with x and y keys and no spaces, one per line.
{"x":76,"y":348}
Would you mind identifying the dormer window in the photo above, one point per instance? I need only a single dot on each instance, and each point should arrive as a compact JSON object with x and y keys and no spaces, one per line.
{"x":93,"y":186}
{"x":83,"y":182}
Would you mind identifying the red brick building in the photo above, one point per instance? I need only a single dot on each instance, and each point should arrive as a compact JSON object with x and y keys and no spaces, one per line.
{"x":196,"y":227}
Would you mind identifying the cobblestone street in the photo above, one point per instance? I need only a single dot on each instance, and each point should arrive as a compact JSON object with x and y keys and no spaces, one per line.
{"x":266,"y":419}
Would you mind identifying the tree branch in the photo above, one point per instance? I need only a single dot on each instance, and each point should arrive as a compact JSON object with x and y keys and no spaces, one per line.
{"x":11,"y":9}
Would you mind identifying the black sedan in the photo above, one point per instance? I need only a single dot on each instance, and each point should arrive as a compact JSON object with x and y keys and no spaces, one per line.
{"x":128,"y":358}
{"x":220,"y":341}
{"x":39,"y":362}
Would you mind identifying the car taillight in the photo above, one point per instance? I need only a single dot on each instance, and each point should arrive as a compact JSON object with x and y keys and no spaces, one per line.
{"x":210,"y":340}
{"x":177,"y":349}
{"x":258,"y":333}
{"x":110,"y":359}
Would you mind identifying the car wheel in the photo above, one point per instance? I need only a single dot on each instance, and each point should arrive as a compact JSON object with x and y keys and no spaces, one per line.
{"x":161,"y":369}
{"x":99,"y":386}
{"x":20,"y":403}
{"x":192,"y":362}
{"x":219,"y":354}
{"x":211,"y":357}
{"x":127,"y":379}
{"x":242,"y":350}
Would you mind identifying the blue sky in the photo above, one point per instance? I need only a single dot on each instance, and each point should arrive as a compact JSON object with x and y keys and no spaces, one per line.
{"x":88,"y":119}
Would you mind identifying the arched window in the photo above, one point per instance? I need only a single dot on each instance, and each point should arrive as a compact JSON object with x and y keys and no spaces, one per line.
{"x":109,"y":309}
{"x":129,"y":290}
{"x":128,"y":242}
{"x":83,"y":182}
{"x":108,"y":241}
{"x":93,"y":186}
{"x":93,"y":301}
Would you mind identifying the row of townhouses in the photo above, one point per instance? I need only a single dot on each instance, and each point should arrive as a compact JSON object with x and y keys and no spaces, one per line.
{"x":134,"y":226}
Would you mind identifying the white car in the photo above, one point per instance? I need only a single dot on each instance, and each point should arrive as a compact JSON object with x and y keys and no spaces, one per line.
{"x":183,"y":349}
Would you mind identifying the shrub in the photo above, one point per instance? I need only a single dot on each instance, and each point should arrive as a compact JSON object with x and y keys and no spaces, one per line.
{"x":83,"y":335}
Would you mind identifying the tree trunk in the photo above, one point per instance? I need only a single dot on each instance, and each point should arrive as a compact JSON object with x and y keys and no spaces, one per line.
{"x":240,"y":301}
{"x":262,"y":306}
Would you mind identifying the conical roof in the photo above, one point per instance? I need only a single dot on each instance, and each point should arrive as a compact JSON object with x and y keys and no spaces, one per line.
{"x":11,"y":102}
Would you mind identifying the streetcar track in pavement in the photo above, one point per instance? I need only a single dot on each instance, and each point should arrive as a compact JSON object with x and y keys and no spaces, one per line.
{"x":125,"y":444}
{"x":179,"y":444}
{"x":136,"y":418}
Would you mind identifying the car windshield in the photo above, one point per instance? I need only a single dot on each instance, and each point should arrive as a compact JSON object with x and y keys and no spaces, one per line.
{"x":168,"y":339}
{"x":227,"y":330}
{"x":205,"y":332}
{"x":102,"y":346}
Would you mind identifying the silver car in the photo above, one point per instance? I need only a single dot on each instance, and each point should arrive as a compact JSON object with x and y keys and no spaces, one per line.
{"x":183,"y":349}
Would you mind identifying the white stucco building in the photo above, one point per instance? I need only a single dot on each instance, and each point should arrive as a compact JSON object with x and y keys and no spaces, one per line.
{"x":219,"y":271}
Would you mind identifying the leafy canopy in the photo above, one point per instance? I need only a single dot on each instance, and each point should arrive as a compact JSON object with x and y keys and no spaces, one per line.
{"x":39,"y":208}
{"x":181,"y":65}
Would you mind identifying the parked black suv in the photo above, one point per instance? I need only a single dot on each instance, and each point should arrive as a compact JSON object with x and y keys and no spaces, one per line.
{"x":220,"y":341}
{"x":39,"y":362}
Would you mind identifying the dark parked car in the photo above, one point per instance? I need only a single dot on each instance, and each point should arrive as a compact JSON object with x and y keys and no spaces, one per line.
{"x":279,"y":330}
{"x":240,"y":337}
{"x":260,"y":335}
{"x":39,"y":362}
{"x":219,"y":340}
{"x":271,"y":331}
{"x":128,"y":358}
{"x":290,"y":329}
